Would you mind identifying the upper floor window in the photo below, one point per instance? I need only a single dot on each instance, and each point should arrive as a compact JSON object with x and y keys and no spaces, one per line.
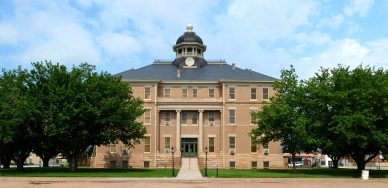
{"x":147,"y":144}
{"x":232,"y":93}
{"x":253,"y":116}
{"x":167,"y":118}
{"x":265,"y":94}
{"x":232,"y":116}
{"x":253,"y":93}
{"x":147,"y":116}
{"x":195,"y":92}
{"x":184,"y":92}
{"x":147,"y":93}
{"x":232,"y":142}
{"x":194,"y":118}
{"x":184,"y":118}
{"x":112,"y":148}
{"x":211,"y":118}
{"x":167,"y":92}
{"x":211,"y":92}
{"x":265,"y":149}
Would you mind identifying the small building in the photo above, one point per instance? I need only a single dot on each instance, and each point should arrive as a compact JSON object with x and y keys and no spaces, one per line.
{"x":192,"y":103}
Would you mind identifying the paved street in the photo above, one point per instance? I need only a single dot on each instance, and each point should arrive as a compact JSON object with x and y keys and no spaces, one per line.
{"x":10,"y":182}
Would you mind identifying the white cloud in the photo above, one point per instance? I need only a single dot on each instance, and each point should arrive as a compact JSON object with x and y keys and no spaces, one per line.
{"x":333,"y":22}
{"x":358,"y":7}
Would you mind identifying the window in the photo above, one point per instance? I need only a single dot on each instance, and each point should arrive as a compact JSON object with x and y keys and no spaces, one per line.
{"x":125,"y":164}
{"x":147,"y":144}
{"x":167,"y":144}
{"x":113,"y":164}
{"x":211,"y":92}
{"x":253,"y":145}
{"x":184,"y":92}
{"x":112,"y":148}
{"x":253,"y":93}
{"x":195,"y":92}
{"x":147,"y":116}
{"x":253,"y":164}
{"x":211,"y":144}
{"x":167,"y":118}
{"x":147,"y":93}
{"x":253,"y":116}
{"x":265,"y":94}
{"x":266,"y":164}
{"x":184,"y":118}
{"x":146,"y":164}
{"x":232,"y":116}
{"x":265,"y":149}
{"x":211,"y":118}
{"x":167,"y":92}
{"x":232,"y":143}
{"x":232,"y":93}
{"x":232,"y":164}
{"x":194,"y":118}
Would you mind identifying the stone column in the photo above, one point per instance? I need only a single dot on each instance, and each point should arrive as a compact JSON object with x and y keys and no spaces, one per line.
{"x":200,"y":134}
{"x":178,"y":131}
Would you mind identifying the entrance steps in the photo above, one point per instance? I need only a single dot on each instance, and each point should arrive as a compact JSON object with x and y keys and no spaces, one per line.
{"x":189,"y":169}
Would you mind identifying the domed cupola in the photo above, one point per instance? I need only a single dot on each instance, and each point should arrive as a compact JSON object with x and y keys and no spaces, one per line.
{"x":189,"y":50}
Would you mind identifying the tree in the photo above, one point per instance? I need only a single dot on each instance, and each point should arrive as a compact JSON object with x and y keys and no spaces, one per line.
{"x":84,"y":108}
{"x":5,"y":160}
{"x":351,"y":111}
{"x":17,"y":122}
{"x":283,"y":119}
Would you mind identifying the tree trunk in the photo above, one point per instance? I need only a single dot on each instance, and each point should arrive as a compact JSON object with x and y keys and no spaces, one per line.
{"x":293,"y":162}
{"x":20,"y":165}
{"x":45,"y":162}
{"x":5,"y":161}
{"x":335,"y":162}
{"x":73,"y":163}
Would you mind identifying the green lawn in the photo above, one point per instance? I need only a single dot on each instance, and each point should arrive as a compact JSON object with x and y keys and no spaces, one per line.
{"x":299,"y":173}
{"x":87,"y":172}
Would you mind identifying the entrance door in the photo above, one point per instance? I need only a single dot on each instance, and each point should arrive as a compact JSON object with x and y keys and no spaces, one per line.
{"x":189,"y":147}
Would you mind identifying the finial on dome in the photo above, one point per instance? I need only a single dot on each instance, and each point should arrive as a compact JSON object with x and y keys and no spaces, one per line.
{"x":189,"y":28}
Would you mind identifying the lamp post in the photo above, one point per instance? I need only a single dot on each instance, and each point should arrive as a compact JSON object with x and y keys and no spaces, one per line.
{"x":206,"y":150}
{"x":172,"y":154}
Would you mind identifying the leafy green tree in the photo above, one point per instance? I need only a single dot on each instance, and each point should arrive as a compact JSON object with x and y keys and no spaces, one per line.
{"x":283,"y":118}
{"x":17,"y":122}
{"x":351,"y":111}
{"x":84,"y":108}
{"x":5,"y":160}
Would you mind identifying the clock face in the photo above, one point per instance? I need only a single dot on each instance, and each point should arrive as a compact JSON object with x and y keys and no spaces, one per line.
{"x":189,"y":61}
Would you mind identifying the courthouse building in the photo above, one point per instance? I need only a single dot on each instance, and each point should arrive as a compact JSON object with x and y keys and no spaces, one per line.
{"x":192,"y":103}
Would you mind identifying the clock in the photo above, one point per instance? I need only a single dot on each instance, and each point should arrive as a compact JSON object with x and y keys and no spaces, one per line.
{"x":189,"y":61}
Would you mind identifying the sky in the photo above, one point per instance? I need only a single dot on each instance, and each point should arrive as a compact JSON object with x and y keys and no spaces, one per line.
{"x":263,"y":35}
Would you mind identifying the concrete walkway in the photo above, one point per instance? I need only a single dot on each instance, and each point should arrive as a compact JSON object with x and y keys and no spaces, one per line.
{"x":189,"y":169}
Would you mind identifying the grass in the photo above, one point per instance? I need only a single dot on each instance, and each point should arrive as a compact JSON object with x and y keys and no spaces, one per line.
{"x":299,"y":173}
{"x":86,"y":172}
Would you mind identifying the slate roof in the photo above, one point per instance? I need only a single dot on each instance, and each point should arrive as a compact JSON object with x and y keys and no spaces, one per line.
{"x":209,"y":72}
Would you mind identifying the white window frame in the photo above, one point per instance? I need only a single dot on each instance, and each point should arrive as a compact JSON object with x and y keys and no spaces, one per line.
{"x":145,"y":116}
{"x":167,"y":114}
{"x":252,"y":109}
{"x":213,"y":116}
{"x":195,"y":94}
{"x":194,"y":115}
{"x":266,"y":149}
{"x":165,"y":93}
{"x":184,"y":114}
{"x":149,"y":93}
{"x":234,"y":92}
{"x":266,"y":88}
{"x":229,"y":110}
{"x":214,"y":92}
{"x":235,"y":141}
{"x":214,"y":143}
{"x":184,"y":92}
{"x":149,"y":137}
{"x":251,"y":144}
{"x":112,"y":146}
{"x":167,"y":149}
{"x":255,"y":93}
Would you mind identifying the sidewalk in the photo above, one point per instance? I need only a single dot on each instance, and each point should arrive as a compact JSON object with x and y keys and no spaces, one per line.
{"x":189,"y":169}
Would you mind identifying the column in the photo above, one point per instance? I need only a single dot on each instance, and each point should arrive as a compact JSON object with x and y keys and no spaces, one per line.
{"x":178,"y":131}
{"x":200,"y":134}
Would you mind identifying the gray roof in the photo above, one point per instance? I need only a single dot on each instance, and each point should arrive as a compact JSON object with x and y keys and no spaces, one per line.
{"x":210,"y":72}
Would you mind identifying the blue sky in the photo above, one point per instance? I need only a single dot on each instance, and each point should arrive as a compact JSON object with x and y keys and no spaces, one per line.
{"x":263,"y":35}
